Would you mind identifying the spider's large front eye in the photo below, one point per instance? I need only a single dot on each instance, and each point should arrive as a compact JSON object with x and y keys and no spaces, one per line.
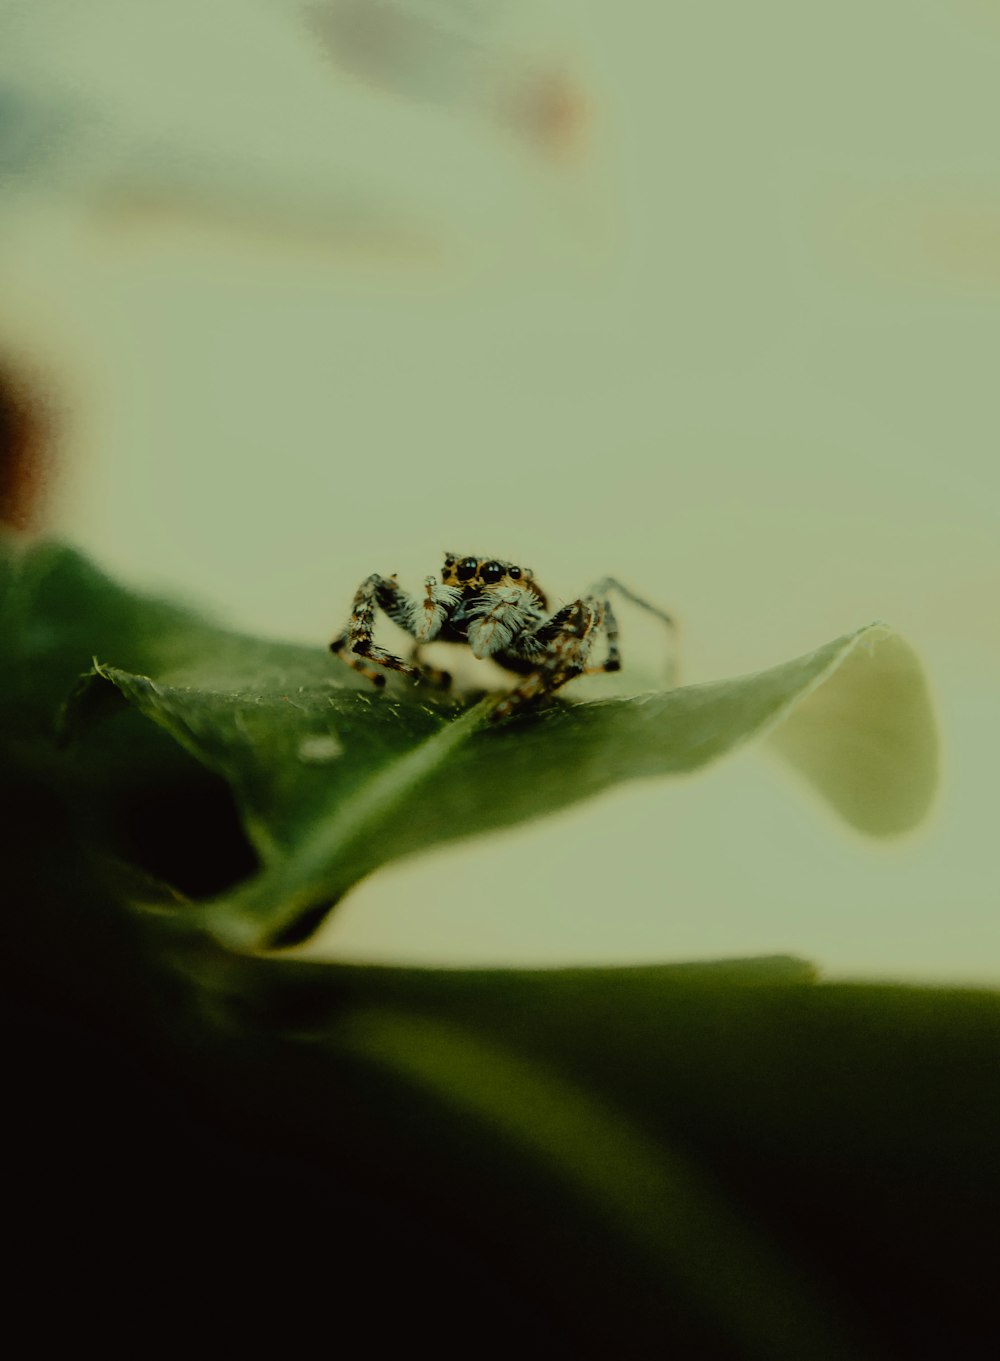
{"x":492,"y":572}
{"x":466,"y":569}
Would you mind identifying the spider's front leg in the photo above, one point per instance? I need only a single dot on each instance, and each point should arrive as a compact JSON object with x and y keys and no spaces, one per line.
{"x":355,"y":643}
{"x":559,"y":649}
{"x":432,"y":674}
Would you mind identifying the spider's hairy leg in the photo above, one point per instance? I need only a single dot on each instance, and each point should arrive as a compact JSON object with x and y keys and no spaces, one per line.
{"x":601,"y":590}
{"x":560,"y":646}
{"x":431,"y":674}
{"x":613,"y":661}
{"x":355,"y":641}
{"x":433,"y":610}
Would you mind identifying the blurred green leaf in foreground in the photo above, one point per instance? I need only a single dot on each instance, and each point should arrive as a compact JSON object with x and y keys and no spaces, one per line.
{"x":725,"y":1160}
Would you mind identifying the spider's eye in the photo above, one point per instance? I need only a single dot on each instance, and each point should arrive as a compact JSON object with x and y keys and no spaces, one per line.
{"x":514,"y":573}
{"x":466,"y":569}
{"x":492,"y":572}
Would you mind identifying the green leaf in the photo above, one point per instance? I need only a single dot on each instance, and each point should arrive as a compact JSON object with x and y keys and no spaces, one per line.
{"x":868,"y":742}
{"x":333,"y":779}
{"x":731,"y":1158}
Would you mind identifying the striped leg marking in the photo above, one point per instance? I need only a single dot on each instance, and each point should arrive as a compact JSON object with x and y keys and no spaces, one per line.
{"x":355,"y":642}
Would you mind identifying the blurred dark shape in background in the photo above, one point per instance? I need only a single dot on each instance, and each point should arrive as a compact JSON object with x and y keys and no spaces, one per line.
{"x":26,"y":443}
{"x":469,"y":57}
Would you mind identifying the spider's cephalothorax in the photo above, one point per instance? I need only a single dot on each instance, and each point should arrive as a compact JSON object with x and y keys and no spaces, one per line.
{"x":500,"y":611}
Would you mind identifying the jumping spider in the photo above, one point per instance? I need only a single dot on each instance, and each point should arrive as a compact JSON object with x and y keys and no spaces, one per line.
{"x":500,"y":611}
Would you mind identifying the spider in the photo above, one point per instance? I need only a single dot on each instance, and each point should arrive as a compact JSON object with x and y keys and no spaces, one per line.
{"x":501,"y":612}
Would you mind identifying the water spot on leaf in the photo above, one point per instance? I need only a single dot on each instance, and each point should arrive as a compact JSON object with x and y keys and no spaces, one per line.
{"x":320,"y":747}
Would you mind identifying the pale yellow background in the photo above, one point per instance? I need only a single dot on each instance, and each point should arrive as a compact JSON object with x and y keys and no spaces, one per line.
{"x":740,"y":349}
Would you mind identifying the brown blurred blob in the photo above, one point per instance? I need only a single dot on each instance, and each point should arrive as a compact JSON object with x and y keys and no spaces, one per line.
{"x":25,"y":451}
{"x":553,"y":112}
